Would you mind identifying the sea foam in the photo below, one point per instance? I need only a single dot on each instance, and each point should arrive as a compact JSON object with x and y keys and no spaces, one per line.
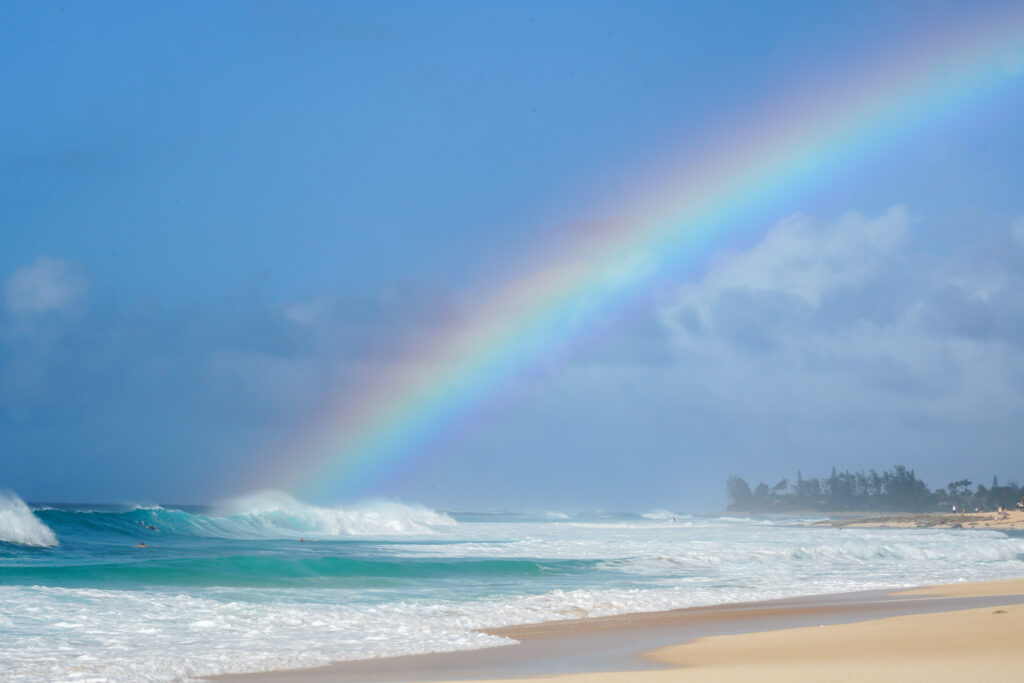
{"x":203,"y":608}
{"x":276,"y":514}
{"x":19,"y":525}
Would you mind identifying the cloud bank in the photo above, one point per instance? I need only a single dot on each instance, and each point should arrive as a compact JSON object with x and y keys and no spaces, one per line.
{"x":855,"y":342}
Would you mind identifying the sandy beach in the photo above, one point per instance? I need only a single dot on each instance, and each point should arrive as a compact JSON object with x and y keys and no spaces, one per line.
{"x":970,"y":631}
{"x":1011,"y":519}
{"x":983,"y":644}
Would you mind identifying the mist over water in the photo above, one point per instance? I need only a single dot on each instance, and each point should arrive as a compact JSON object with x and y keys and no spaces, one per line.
{"x":266,"y":581}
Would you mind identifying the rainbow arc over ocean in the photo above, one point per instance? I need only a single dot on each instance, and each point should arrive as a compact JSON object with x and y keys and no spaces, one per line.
{"x":679,"y":219}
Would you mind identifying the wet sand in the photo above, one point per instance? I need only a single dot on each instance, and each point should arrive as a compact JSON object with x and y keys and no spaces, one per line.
{"x":971,"y":631}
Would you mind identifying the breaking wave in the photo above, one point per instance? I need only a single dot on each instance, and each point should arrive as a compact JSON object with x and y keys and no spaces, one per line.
{"x":19,"y":525}
{"x":275,"y":512}
{"x":266,"y":515}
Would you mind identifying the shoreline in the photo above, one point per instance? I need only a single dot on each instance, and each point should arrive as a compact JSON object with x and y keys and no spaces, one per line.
{"x":652,"y":645}
{"x":1011,"y":519}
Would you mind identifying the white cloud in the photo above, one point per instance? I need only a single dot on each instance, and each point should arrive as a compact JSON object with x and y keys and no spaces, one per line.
{"x":787,"y":278}
{"x":823,"y":344}
{"x":49,"y":284}
{"x":853,"y":302}
{"x":802,"y":258}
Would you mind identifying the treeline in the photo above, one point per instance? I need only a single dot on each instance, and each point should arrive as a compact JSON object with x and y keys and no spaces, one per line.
{"x":894,"y":490}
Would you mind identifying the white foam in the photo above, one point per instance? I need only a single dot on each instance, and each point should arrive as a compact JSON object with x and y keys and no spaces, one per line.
{"x":274,"y":514}
{"x":60,"y":633}
{"x":660,"y":515}
{"x":161,"y":636}
{"x":19,"y":525}
{"x":214,"y":630}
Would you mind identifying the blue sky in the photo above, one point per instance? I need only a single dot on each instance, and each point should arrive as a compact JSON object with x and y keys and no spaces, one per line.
{"x":213,"y":215}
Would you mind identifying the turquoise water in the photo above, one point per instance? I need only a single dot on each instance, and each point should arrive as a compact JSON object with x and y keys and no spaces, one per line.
{"x":268,"y":582}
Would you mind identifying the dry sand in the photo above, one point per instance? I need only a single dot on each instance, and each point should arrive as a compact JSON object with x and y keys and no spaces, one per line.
{"x":982,"y":644}
{"x":961,"y":632}
{"x":1011,"y":519}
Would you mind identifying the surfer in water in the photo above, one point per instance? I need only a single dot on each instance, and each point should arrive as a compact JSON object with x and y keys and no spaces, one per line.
{"x":142,"y":544}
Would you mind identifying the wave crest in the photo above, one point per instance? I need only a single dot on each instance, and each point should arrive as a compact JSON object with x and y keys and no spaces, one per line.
{"x":19,"y":525}
{"x":273,"y":513}
{"x":660,"y":515}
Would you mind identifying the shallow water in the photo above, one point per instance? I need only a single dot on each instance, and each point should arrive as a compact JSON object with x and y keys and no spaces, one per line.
{"x":234,"y":589}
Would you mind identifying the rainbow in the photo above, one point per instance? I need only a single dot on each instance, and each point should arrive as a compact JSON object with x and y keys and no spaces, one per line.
{"x":410,"y":405}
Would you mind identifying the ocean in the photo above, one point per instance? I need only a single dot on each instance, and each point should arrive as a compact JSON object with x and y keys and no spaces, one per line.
{"x":267,"y":582}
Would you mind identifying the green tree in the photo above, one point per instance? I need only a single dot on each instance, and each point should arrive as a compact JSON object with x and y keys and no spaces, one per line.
{"x":740,"y":496}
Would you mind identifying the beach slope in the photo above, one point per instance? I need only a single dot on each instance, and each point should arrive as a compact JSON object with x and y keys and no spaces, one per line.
{"x":969,"y":631}
{"x":981,"y":644}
